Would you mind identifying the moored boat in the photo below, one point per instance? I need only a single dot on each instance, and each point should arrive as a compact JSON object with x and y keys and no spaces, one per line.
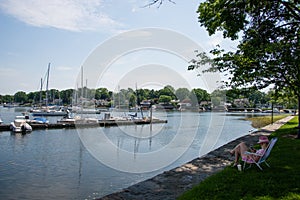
{"x":39,"y":120}
{"x":48,"y":112}
{"x":20,"y":125}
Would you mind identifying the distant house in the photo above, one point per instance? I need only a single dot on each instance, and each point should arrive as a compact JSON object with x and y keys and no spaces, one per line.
{"x":185,"y":104}
{"x":145,"y":104}
{"x":243,"y":102}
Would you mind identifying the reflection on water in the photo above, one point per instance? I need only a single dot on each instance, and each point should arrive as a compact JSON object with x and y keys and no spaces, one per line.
{"x":56,"y":164}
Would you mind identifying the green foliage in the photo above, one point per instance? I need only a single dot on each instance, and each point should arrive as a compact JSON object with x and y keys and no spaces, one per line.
{"x":269,"y":50}
{"x":164,"y":99}
{"x":281,"y":181}
{"x":268,"y":53}
{"x":20,"y":97}
{"x":201,"y":94}
{"x":182,"y":93}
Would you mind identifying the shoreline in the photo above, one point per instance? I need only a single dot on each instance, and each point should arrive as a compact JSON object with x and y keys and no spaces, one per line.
{"x":171,"y":184}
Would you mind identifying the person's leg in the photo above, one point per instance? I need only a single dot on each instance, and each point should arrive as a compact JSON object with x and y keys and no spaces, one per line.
{"x":238,"y":151}
{"x":243,"y":149}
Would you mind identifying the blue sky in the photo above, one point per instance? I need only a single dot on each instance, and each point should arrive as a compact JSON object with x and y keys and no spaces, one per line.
{"x":66,"y":32}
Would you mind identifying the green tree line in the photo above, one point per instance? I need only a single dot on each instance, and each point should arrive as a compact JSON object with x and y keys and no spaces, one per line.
{"x":132,"y":97}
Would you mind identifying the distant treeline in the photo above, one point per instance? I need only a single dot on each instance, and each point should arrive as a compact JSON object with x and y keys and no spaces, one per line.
{"x":196,"y":96}
{"x":66,"y":97}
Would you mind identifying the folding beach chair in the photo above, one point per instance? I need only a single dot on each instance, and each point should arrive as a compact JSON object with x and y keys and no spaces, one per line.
{"x":263,"y":158}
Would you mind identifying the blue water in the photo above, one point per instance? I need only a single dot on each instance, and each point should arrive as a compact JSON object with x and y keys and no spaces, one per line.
{"x":92,"y":162}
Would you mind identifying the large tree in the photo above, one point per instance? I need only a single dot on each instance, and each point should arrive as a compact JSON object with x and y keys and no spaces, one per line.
{"x":269,"y":47}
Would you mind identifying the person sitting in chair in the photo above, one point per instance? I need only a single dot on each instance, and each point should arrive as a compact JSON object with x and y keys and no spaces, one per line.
{"x":240,"y":149}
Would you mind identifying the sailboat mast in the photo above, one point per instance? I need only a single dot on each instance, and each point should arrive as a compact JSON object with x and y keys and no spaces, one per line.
{"x":41,"y":92}
{"x":81,"y":81}
{"x":47,"y":84}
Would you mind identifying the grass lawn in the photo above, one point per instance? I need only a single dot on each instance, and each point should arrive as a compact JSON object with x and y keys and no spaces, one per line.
{"x":281,"y":181}
{"x":258,"y":122}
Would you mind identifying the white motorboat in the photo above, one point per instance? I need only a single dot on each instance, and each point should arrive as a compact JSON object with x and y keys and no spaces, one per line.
{"x":39,"y":120}
{"x":19,"y":125}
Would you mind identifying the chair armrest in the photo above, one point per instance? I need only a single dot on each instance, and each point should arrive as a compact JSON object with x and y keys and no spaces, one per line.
{"x":251,"y":153}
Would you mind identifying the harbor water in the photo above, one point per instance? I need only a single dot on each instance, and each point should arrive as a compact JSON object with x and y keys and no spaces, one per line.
{"x":88,"y":163}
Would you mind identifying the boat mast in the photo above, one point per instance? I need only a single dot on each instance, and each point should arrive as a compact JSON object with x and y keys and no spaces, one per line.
{"x":41,"y":92}
{"x":81,"y":107}
{"x":81,"y":82}
{"x":47,"y":84}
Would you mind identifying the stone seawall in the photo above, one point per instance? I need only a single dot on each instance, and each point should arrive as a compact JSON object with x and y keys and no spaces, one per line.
{"x":171,"y":184}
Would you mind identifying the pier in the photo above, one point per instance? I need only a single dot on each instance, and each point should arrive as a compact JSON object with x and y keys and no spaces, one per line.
{"x":101,"y":123}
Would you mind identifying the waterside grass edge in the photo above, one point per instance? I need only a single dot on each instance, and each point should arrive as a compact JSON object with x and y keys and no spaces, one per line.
{"x":281,"y":181}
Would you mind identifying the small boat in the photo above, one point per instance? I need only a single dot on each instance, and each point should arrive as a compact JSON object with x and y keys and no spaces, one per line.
{"x":48,"y":112}
{"x":39,"y":120}
{"x":1,"y":121}
{"x":20,"y":125}
{"x":77,"y":120}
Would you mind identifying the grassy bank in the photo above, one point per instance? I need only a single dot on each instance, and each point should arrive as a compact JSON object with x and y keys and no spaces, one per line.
{"x":281,"y":181}
{"x":258,"y":122}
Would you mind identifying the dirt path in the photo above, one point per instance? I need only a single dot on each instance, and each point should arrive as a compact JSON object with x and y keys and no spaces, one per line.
{"x":171,"y":184}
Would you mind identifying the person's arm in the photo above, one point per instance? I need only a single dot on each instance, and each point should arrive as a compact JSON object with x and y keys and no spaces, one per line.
{"x":252,"y":149}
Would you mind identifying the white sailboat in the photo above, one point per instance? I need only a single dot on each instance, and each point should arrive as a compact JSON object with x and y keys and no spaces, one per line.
{"x":79,"y":119}
{"x":47,"y":111}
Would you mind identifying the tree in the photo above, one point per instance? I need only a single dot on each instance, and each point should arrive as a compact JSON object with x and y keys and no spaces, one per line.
{"x":20,"y":97}
{"x":269,"y":51}
{"x":164,"y":99}
{"x":66,"y":96}
{"x":7,"y":98}
{"x":182,"y":93}
{"x":202,"y":95}
{"x":102,"y":93}
{"x":168,"y":90}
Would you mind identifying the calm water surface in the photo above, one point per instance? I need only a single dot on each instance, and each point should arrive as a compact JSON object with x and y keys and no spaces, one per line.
{"x":92,"y":162}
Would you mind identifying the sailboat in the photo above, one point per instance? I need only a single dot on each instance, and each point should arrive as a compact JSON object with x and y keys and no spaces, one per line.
{"x":47,"y":111}
{"x":79,"y":119}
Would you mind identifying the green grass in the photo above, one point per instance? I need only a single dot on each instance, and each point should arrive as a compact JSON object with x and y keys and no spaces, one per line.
{"x":259,"y":122}
{"x":281,"y":181}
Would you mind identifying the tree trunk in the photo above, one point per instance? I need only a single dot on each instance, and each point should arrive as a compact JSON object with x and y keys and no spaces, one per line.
{"x":298,"y":116}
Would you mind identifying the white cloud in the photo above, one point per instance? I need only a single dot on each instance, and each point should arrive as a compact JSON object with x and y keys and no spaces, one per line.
{"x":73,"y":15}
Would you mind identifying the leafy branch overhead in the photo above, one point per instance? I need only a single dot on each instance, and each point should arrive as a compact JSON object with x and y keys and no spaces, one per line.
{"x":268,"y":52}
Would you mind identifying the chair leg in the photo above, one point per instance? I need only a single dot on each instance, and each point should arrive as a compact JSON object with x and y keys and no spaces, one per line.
{"x":259,"y":166}
{"x":267,"y":164}
{"x":245,"y":163}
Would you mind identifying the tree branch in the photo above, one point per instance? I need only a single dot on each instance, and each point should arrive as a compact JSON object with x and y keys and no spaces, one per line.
{"x":159,"y":2}
{"x":292,"y":10}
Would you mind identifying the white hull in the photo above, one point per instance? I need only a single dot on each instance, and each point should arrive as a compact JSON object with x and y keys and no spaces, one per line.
{"x":20,"y":126}
{"x":78,"y":120}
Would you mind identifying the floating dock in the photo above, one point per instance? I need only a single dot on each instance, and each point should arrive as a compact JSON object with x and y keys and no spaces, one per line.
{"x":101,"y":123}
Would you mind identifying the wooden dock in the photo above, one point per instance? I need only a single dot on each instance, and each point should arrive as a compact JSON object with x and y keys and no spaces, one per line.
{"x":101,"y":123}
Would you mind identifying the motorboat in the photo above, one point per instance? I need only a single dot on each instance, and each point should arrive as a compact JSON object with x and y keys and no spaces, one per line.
{"x":20,"y":125}
{"x":39,"y":120}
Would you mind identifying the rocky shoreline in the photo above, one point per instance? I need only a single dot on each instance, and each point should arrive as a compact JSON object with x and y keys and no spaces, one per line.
{"x":171,"y":184}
